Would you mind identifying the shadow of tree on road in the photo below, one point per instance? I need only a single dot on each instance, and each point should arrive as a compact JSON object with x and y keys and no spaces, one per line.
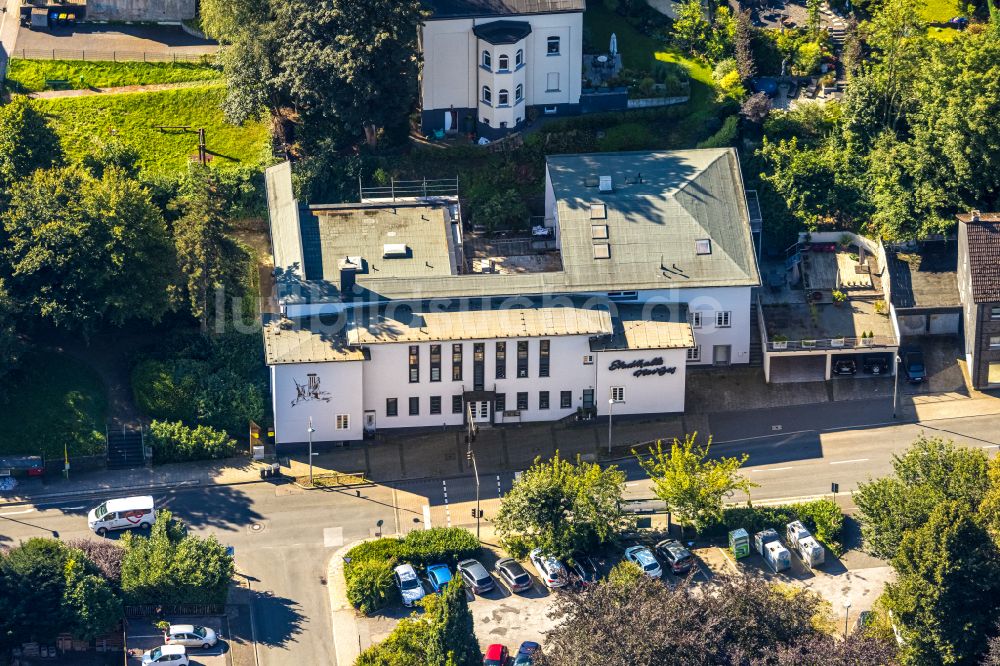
{"x":219,"y":507}
{"x":278,"y":619}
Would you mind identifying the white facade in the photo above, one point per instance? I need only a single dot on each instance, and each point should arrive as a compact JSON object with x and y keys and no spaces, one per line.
{"x":465,"y":75}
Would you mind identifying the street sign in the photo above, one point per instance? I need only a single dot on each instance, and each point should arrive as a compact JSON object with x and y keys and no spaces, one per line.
{"x":834,"y":488}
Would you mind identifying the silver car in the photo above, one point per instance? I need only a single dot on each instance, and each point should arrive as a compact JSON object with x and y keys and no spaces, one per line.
{"x":645,"y":559}
{"x":190,"y":635}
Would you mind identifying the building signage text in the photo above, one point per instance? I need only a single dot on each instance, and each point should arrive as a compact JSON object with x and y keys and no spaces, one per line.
{"x":643,"y":368}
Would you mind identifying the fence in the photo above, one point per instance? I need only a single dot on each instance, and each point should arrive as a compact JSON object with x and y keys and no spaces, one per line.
{"x":115,"y":56}
{"x":156,"y":610}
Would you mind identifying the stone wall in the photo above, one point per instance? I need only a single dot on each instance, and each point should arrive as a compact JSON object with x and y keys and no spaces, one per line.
{"x":140,"y":10}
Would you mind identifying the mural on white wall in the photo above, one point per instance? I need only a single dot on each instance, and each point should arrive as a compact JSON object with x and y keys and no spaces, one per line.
{"x":310,"y":391}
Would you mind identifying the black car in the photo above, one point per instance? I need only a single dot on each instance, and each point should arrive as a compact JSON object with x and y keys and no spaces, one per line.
{"x":845,"y":366}
{"x":513,"y":574}
{"x":678,"y":558}
{"x":475,"y":576}
{"x":583,"y":570}
{"x":913,"y":366}
{"x":875,"y":364}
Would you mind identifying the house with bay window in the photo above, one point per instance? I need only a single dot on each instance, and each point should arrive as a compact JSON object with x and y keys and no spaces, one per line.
{"x":390,"y":315}
{"x":486,"y":62}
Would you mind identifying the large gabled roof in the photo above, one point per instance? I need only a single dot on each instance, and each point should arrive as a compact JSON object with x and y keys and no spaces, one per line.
{"x":983,"y":249}
{"x":447,"y":9}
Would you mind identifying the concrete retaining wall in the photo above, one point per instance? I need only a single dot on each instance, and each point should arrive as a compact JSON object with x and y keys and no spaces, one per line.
{"x":140,"y":10}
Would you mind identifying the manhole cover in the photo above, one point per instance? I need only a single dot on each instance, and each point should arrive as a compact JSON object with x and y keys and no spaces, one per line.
{"x":256,"y":527}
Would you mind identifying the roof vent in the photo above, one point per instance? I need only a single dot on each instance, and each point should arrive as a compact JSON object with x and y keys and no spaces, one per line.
{"x":394,"y":251}
{"x":602,"y":251}
{"x":598,"y":211}
{"x":352,"y":264}
{"x":703,"y":246}
{"x":605,"y":184}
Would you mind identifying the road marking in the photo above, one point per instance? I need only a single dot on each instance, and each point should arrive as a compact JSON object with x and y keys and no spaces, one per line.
{"x":773,"y":469}
{"x":17,"y":513}
{"x":844,"y":462}
{"x":499,"y":489}
{"x":447,"y":511}
{"x":427,"y":516}
{"x":991,"y":446}
{"x":748,"y":439}
{"x":333,"y":537}
{"x":776,"y":428}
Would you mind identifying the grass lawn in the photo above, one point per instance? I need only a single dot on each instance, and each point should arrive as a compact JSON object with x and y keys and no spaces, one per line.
{"x":30,"y":75}
{"x":943,"y":34}
{"x":637,"y":50}
{"x":134,"y":116}
{"x":938,"y":11}
{"x":53,"y":399}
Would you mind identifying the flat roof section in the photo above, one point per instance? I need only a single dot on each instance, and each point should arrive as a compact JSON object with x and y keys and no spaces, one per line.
{"x":641,"y":327}
{"x":308,"y":340}
{"x":446,"y":9}
{"x":926,"y":278}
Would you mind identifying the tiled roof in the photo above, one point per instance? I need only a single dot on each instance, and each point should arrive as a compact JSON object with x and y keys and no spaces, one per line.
{"x":983,"y":238}
{"x":443,"y":9}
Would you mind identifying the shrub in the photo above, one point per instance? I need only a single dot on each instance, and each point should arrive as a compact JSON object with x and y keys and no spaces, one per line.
{"x":370,"y":585}
{"x":446,"y":545}
{"x":826,"y":521}
{"x":726,"y":136}
{"x":176,"y":442}
{"x":627,"y":136}
{"x":823,"y":517}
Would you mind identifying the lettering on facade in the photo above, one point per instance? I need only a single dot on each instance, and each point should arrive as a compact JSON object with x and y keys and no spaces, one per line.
{"x":644,"y":368}
{"x":309,"y":390}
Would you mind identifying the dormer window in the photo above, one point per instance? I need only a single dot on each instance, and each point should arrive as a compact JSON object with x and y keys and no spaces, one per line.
{"x":519,"y":58}
{"x":503,"y":63}
{"x":487,"y":60}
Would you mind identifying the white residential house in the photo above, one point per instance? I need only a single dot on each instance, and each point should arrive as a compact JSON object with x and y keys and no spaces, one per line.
{"x":486,"y":62}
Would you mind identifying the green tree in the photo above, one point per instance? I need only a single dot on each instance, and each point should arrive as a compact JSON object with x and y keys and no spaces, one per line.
{"x":112,"y":153}
{"x":931,"y":472}
{"x":693,"y":486}
{"x":27,"y":143}
{"x":562,"y":507}
{"x":84,"y":251}
{"x":690,"y":26}
{"x":813,"y":9}
{"x":948,"y":588}
{"x":93,"y":603}
{"x":453,"y":637}
{"x":743,"y":45}
{"x":11,"y":343}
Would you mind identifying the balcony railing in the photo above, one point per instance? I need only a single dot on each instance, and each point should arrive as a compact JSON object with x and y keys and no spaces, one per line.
{"x":877,"y":342}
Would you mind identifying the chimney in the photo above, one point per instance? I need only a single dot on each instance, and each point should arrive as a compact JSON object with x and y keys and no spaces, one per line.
{"x":349,"y":267}
{"x":974,"y":216}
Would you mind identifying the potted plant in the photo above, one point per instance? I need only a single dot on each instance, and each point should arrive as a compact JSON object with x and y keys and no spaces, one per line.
{"x":808,"y":344}
{"x":779,"y":342}
{"x":880,"y":307}
{"x":838,"y":341}
{"x":866,"y":339}
{"x":839,"y":297}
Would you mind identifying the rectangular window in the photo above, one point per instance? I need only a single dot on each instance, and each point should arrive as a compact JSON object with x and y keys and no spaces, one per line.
{"x":543,"y":358}
{"x":551,"y":85}
{"x":435,"y":363}
{"x":456,"y":362}
{"x":522,"y":359}
{"x":456,"y":404}
{"x":723,"y":319}
{"x":435,"y":404}
{"x":543,"y":400}
{"x":618,"y":393}
{"x":695,"y":318}
{"x":501,"y":360}
{"x":552,"y":46}
{"x":588,"y":359}
{"x":694,"y":354}
{"x":993,"y":373}
{"x":522,"y":401}
{"x":565,"y":399}
{"x":995,"y":312}
{"x":414,"y":406}
{"x":588,"y":398}
{"x":414,"y":364}
{"x":343,"y":422}
{"x":478,"y":365}
{"x":391,"y":407}
{"x":995,"y":342}
{"x":501,"y":402}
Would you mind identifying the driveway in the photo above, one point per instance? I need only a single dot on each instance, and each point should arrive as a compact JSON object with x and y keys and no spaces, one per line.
{"x":100,"y":41}
{"x":141,"y":636}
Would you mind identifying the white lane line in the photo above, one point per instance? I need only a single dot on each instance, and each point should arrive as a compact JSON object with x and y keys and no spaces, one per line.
{"x":17,"y":513}
{"x":427,"y":516}
{"x":991,"y":446}
{"x":844,"y":462}
{"x":447,"y":510}
{"x":747,"y":439}
{"x":772,"y":469}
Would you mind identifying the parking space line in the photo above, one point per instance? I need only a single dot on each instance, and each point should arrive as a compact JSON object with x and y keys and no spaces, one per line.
{"x":771,"y":469}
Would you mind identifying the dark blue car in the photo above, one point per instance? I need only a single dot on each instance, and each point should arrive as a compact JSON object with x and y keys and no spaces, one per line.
{"x":526,"y":653}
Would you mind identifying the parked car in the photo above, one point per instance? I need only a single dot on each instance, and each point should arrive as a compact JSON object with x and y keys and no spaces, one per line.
{"x":475,"y":576}
{"x":495,"y":655}
{"x":551,"y":571}
{"x":913,"y":366}
{"x":583,"y":570}
{"x":120,"y":514}
{"x":438,"y":575}
{"x":190,"y":635}
{"x":875,"y":364}
{"x":526,"y":653}
{"x":513,"y":574}
{"x":174,"y":655}
{"x":678,"y":558}
{"x":845,"y":366}
{"x":408,"y":583}
{"x":644,"y":558}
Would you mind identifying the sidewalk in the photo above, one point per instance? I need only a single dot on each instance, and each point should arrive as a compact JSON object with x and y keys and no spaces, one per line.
{"x":502,"y":449}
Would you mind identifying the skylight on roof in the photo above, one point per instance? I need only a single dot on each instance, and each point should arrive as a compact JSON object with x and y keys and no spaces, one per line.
{"x":599,"y":231}
{"x":598,"y":211}
{"x":602,"y":251}
{"x":703,"y":246}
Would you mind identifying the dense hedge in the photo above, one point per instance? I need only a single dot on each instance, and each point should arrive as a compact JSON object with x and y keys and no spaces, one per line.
{"x":822,"y":517}
{"x":176,"y":442}
{"x":367,"y":562}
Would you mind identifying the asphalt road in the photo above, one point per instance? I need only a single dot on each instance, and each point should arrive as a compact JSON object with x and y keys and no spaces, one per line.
{"x":283,"y":536}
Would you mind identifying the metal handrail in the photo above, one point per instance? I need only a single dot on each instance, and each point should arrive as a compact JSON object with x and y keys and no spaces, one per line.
{"x":808,"y":344}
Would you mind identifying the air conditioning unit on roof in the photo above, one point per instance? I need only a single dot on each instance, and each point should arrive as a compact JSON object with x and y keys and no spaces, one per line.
{"x":605,"y":184}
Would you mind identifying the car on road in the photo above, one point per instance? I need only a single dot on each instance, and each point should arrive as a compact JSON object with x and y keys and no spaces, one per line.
{"x":513,"y":574}
{"x":845,"y":366}
{"x":526,"y":653}
{"x":644,"y":558}
{"x":678,"y":558}
{"x":408,"y":583}
{"x":875,"y":364}
{"x":551,"y":571}
{"x":913,"y":366}
{"x":475,"y":576}
{"x":582,"y":570}
{"x":438,"y":575}
{"x":495,"y":655}
{"x":166,"y":655}
{"x":190,"y":635}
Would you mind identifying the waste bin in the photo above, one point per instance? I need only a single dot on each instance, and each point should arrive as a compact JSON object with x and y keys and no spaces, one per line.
{"x":739,"y":543}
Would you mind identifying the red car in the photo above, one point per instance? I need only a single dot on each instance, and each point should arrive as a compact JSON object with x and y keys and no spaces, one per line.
{"x":496,"y":655}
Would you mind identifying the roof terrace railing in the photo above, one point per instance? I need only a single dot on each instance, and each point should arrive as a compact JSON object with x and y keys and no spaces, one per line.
{"x":876,"y":342}
{"x":409,"y":189}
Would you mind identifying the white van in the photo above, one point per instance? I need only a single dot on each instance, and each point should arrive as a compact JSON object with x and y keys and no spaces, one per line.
{"x":120,"y":514}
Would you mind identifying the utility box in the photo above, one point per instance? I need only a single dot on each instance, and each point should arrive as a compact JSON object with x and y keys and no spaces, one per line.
{"x":768,"y":544}
{"x":811,"y":551}
{"x":739,"y":543}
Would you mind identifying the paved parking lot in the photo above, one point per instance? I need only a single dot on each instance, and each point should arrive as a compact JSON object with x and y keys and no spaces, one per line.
{"x":112,"y":37}
{"x":142,"y":635}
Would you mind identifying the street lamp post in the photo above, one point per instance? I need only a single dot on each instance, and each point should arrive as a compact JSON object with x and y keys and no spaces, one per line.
{"x":895,"y":383}
{"x":470,"y":454}
{"x":311,"y":430}
{"x":847,"y":615}
{"x":611,"y":411}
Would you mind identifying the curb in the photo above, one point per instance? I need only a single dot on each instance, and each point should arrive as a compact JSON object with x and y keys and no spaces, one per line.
{"x":343,"y":616}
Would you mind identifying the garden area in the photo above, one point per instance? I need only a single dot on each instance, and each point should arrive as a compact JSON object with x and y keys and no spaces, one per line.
{"x":27,"y":76}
